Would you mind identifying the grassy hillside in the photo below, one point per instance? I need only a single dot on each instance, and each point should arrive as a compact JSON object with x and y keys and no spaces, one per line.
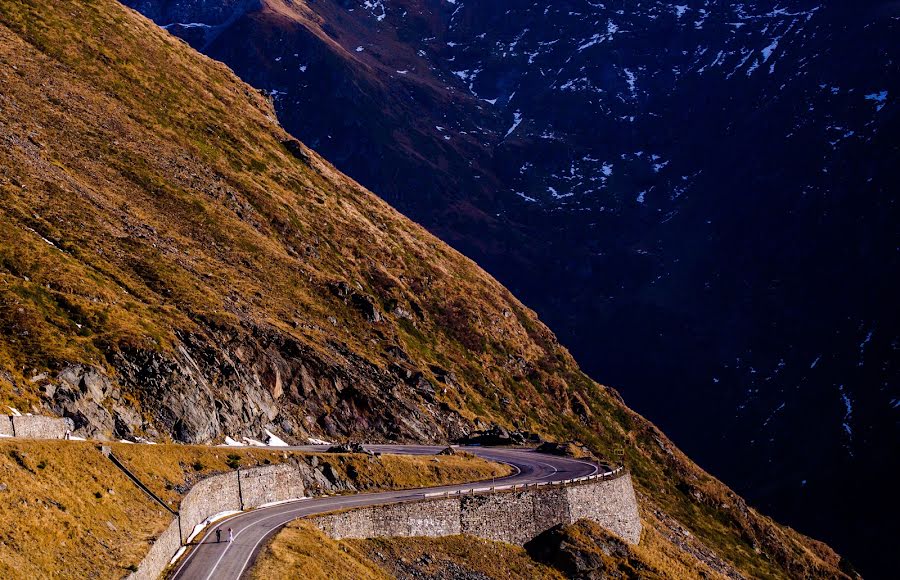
{"x":302,"y":550}
{"x":172,"y":265}
{"x":581,"y":550}
{"x":67,"y":511}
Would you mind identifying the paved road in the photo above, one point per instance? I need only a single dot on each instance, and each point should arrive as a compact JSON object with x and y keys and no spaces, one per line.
{"x":228,"y":561}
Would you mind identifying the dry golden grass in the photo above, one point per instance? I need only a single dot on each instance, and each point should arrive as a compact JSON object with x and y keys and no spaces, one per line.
{"x":496,"y":560}
{"x":658,"y":553}
{"x":403,"y":471}
{"x":67,"y":511}
{"x":654,"y":558}
{"x":302,"y":551}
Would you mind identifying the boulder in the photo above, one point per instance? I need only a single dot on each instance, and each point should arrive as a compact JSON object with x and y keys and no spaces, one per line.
{"x":585,"y":551}
{"x":295,"y":148}
{"x":366,"y":306}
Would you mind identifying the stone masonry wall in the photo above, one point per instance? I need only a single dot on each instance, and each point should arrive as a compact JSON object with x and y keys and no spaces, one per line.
{"x":160,"y":554}
{"x":209,"y":496}
{"x":264,"y":485}
{"x":439,"y":517}
{"x":504,"y":517}
{"x":37,"y":427}
{"x":617,"y":511}
{"x":350,"y":524}
{"x":442,"y":518}
{"x":552,"y":508}
{"x":231,"y":491}
{"x":514,"y":517}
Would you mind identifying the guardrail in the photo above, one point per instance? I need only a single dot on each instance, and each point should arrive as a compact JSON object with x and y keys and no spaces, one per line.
{"x":524,"y":486}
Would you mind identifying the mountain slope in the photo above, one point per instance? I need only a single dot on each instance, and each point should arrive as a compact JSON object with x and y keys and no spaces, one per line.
{"x":713,"y":180}
{"x":173,"y":264}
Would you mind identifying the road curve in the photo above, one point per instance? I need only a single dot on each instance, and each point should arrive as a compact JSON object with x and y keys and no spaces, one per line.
{"x":209,"y":560}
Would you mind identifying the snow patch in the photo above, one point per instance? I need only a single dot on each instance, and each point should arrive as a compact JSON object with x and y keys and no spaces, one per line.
{"x":880,"y":98}
{"x":848,"y":412}
{"x":596,"y":39}
{"x":517,"y":120}
{"x":630,"y":79}
{"x":525,"y":197}
{"x":374,"y":6}
{"x":767,"y":51}
{"x":178,"y":554}
{"x":274,"y":441}
{"x":186,"y":25}
{"x":48,"y":242}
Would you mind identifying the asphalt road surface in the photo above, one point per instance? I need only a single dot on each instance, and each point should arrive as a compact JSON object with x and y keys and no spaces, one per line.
{"x":208,"y":560}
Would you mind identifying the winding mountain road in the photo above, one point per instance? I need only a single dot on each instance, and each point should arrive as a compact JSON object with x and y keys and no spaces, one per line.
{"x":208,"y":560}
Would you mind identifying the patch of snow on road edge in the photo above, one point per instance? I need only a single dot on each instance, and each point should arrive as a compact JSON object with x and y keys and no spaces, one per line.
{"x":274,"y":441}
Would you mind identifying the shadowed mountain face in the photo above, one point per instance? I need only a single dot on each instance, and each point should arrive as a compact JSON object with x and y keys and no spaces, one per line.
{"x":699,"y":198}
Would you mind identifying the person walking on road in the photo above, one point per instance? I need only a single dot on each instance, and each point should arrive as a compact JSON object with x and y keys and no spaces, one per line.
{"x":230,"y":536}
{"x":218,"y":536}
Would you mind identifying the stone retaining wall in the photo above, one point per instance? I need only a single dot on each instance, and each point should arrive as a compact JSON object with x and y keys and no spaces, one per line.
{"x":269,"y":484}
{"x":514,"y":517}
{"x":208,"y":497}
{"x":617,"y":511}
{"x":160,"y":554}
{"x":34,"y":426}
{"x":6,"y":426}
{"x":504,"y":517}
{"x":233,"y":491}
{"x":438,"y":517}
